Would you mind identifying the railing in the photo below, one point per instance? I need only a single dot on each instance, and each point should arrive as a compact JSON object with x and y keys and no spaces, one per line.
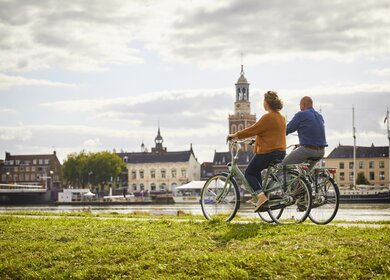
{"x":18,"y":188}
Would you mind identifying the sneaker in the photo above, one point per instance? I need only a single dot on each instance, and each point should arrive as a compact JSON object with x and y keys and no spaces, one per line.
{"x":261,"y":199}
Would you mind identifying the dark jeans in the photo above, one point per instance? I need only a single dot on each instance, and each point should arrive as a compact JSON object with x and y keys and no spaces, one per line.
{"x":257,"y":164}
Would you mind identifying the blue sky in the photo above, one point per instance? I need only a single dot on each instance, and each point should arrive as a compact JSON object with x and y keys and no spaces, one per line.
{"x":101,"y":75}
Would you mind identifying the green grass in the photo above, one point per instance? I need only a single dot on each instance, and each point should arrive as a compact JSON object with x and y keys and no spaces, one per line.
{"x":91,"y":248}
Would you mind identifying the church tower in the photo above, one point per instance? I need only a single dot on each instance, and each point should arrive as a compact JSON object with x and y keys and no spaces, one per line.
{"x":159,"y":143}
{"x":242,"y":117}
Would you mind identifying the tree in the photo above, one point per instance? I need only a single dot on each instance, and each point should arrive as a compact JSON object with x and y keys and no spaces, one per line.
{"x":361,"y":179}
{"x":94,"y":168}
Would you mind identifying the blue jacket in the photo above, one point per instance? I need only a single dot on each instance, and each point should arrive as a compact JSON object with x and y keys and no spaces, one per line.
{"x":310,"y":126}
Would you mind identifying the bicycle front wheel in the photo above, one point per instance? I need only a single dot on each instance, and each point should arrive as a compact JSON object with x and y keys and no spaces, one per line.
{"x":290,"y":204}
{"x":220,"y":198}
{"x":325,"y":201}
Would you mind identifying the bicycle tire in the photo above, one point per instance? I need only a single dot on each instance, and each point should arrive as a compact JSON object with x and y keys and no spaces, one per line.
{"x":326,"y":202}
{"x":295,"y":200}
{"x":224,"y":207}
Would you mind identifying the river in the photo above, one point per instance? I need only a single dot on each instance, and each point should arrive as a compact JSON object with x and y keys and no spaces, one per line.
{"x":347,"y":212}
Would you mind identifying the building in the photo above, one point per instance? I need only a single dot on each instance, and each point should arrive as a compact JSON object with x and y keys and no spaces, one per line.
{"x":242,"y":118}
{"x":372,"y":161}
{"x":160,"y":171}
{"x":43,"y":170}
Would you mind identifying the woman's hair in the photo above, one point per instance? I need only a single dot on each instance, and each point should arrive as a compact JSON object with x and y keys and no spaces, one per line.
{"x":273,"y":100}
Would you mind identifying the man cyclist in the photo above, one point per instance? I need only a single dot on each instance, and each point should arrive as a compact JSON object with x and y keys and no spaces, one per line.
{"x":311,"y":132}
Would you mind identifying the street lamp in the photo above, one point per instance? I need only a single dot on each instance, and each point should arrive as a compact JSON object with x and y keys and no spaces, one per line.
{"x":7,"y":177}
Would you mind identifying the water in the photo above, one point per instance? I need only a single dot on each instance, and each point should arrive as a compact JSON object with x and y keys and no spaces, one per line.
{"x":347,"y":212}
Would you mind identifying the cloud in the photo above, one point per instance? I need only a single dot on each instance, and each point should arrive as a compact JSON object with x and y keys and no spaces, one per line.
{"x":7,"y":81}
{"x":196,"y":108}
{"x":93,"y":35}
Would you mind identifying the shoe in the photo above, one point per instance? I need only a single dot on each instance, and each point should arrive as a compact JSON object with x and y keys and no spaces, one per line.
{"x":261,"y":199}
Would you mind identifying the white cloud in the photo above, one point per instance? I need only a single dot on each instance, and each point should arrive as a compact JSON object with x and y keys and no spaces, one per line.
{"x":7,"y":81}
{"x":92,"y":35}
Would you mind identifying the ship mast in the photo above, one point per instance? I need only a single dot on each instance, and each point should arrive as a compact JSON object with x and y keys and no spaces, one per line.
{"x":388,"y":137}
{"x":354,"y":146}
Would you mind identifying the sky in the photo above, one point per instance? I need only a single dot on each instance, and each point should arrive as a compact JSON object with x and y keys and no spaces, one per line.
{"x":104,"y":75}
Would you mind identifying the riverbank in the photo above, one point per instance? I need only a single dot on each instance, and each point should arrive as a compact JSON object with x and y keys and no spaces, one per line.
{"x":93,"y":247}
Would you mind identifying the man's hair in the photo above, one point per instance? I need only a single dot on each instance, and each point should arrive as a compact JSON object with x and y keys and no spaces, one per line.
{"x":307,"y":101}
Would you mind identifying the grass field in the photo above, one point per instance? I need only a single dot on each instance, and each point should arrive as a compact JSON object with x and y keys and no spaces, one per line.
{"x":110,"y":247}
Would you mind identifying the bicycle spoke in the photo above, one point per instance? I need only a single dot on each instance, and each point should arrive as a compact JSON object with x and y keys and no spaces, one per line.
{"x":325,"y":201}
{"x":220,"y":198}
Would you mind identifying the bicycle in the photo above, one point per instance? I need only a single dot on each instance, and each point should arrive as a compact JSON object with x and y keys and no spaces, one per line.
{"x":326,"y":193}
{"x":289,"y":196}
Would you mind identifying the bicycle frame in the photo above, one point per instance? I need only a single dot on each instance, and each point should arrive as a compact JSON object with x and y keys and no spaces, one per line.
{"x":272,"y":170}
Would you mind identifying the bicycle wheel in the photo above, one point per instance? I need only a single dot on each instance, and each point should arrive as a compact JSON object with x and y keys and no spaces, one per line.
{"x":264,"y":215}
{"x":325,"y":201}
{"x":220,"y":198}
{"x":290,"y":204}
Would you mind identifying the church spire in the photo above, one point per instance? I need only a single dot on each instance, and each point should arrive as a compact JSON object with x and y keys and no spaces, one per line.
{"x":159,"y":142}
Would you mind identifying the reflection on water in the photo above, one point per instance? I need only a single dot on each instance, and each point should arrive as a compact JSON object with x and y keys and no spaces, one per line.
{"x":349,"y":212}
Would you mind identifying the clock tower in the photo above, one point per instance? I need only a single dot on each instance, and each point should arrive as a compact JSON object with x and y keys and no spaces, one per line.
{"x":242,"y":117}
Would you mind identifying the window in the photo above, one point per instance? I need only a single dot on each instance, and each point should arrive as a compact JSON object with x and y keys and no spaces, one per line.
{"x":34,"y":161}
{"x":163,"y":187}
{"x":153,"y":186}
{"x":351,"y":176}
{"x":46,"y":161}
{"x":17,"y":162}
{"x":371,"y":164}
{"x":163,"y":173}
{"x":342,"y":176}
{"x":382,"y":175}
{"x":372,"y":175}
{"x":351,"y":165}
{"x":27,"y":177}
{"x":381,"y":164}
{"x":361,"y":164}
{"x":152,"y":174}
{"x":183,"y":173}
{"x":27,"y":168}
{"x":32,"y":168}
{"x":133,"y":174}
{"x":40,"y":161}
{"x":173,"y":173}
{"x":141,"y":174}
{"x":134,"y":187}
{"x":142,"y":187}
{"x":32,"y":176}
{"x":341,"y":165}
{"x":16,"y":169}
{"x":240,"y":127}
{"x":234,"y":128}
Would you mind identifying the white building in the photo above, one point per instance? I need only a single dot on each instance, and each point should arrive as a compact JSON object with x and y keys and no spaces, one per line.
{"x":159,"y":170}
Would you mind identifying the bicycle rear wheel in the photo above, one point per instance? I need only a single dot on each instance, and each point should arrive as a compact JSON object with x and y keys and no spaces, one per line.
{"x":290,"y":204}
{"x":325,"y":201}
{"x":220,"y":198}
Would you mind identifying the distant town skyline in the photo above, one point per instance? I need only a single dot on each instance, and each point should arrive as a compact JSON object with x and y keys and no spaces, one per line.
{"x":98,"y":75}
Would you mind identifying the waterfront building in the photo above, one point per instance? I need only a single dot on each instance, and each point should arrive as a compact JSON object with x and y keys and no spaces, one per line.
{"x":372,"y":161}
{"x":242,"y":118}
{"x":44,"y":169}
{"x":160,"y":171}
